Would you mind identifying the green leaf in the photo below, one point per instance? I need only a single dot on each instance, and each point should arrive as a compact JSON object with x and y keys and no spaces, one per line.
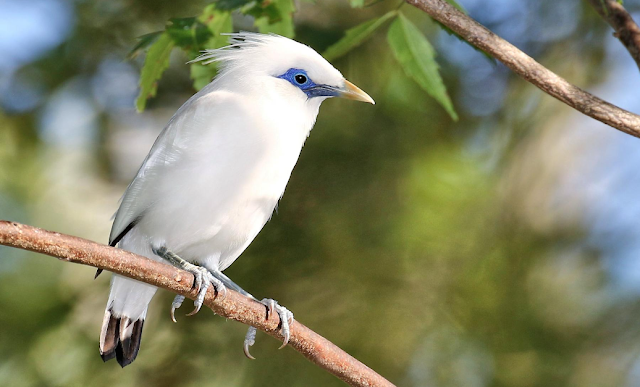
{"x":144,"y":41}
{"x":188,"y":32}
{"x":155,"y":63}
{"x":218,"y":22}
{"x":356,"y":3}
{"x":282,"y":22}
{"x":269,"y":11}
{"x":417,"y":58}
{"x":355,"y":36}
{"x":202,"y":74}
{"x":230,"y":5}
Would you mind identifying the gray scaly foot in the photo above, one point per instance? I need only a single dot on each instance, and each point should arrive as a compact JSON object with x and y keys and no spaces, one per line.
{"x":285,"y":315}
{"x":177,"y":303}
{"x":202,"y":280}
{"x":205,"y":277}
{"x":249,"y":340}
{"x":286,"y":319}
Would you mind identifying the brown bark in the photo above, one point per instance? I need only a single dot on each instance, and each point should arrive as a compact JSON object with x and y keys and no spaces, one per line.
{"x":526,"y":67}
{"x":627,"y":31}
{"x":234,"y":306}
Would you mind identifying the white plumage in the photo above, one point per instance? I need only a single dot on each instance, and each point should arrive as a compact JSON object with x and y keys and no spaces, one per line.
{"x":216,"y":172}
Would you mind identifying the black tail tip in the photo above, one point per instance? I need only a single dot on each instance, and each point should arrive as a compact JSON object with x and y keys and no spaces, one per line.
{"x":108,"y":356}
{"x":125,"y":361}
{"x":124,"y":350}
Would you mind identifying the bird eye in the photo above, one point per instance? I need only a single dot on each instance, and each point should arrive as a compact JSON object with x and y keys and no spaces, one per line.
{"x":301,"y":79}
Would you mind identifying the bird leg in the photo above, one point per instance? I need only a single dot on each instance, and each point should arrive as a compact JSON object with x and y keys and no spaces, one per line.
{"x":285,"y":315}
{"x":204,"y":276}
{"x":202,"y":279}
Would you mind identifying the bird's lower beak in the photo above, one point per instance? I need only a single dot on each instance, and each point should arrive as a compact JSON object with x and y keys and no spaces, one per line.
{"x":351,"y":91}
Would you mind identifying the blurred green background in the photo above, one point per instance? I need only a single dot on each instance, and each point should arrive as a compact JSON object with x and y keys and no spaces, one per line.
{"x":499,"y":250}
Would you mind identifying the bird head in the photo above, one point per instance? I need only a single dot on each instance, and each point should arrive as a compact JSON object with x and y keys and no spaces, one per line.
{"x":295,"y":69}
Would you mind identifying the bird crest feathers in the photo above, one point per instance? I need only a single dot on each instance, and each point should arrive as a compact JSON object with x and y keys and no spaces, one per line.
{"x":243,"y":43}
{"x":271,"y":53}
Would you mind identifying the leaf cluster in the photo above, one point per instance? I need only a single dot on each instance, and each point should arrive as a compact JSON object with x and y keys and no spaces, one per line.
{"x":408,"y":44}
{"x":206,"y":31}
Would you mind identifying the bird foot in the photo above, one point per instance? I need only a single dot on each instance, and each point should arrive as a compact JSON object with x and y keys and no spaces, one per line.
{"x":177,"y":303}
{"x":203,"y":278}
{"x":286,"y":319}
{"x":249,"y":340}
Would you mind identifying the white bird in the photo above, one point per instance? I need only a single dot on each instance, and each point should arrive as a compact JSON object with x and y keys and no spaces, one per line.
{"x":215,"y":174}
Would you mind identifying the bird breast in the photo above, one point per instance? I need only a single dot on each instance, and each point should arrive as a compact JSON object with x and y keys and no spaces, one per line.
{"x":230,"y":168}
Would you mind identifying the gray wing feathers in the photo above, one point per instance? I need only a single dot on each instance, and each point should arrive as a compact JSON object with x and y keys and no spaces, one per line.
{"x":139,"y":195}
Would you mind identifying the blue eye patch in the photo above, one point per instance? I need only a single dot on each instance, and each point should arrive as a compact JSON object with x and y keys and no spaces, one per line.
{"x":301,"y":80}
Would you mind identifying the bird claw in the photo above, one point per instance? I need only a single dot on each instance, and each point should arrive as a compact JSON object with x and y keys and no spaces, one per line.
{"x":206,"y":279}
{"x":285,"y":315}
{"x":286,"y":319}
{"x":202,"y":280}
{"x":177,"y":303}
{"x":202,"y":288}
{"x":249,"y":340}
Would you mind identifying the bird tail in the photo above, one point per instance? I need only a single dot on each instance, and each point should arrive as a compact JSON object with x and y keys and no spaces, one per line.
{"x":124,"y":318}
{"x":126,"y":311}
{"x":120,"y":338}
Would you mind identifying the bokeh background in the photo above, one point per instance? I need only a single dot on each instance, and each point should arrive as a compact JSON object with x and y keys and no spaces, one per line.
{"x":499,"y":250}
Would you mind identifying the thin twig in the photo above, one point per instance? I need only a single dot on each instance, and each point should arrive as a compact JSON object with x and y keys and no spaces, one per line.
{"x":525,"y":66}
{"x":234,"y":305}
{"x":627,"y":30}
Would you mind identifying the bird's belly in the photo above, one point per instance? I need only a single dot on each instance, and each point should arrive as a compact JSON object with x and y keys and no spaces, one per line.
{"x":226,"y":228}
{"x":214,"y":213}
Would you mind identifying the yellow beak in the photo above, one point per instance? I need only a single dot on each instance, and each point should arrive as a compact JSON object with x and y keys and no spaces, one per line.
{"x":351,"y":91}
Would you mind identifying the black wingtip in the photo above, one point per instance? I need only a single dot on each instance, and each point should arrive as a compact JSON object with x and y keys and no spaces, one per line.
{"x":124,"y":232}
{"x":98,"y":272}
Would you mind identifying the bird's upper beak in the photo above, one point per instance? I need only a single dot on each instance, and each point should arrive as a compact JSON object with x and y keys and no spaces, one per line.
{"x":351,"y":91}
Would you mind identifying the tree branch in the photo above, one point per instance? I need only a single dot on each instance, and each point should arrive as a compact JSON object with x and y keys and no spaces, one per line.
{"x":234,"y":306}
{"x":627,"y":31}
{"x":525,"y":66}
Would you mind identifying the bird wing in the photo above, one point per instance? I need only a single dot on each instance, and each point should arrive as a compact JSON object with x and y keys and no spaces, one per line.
{"x":139,"y":194}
